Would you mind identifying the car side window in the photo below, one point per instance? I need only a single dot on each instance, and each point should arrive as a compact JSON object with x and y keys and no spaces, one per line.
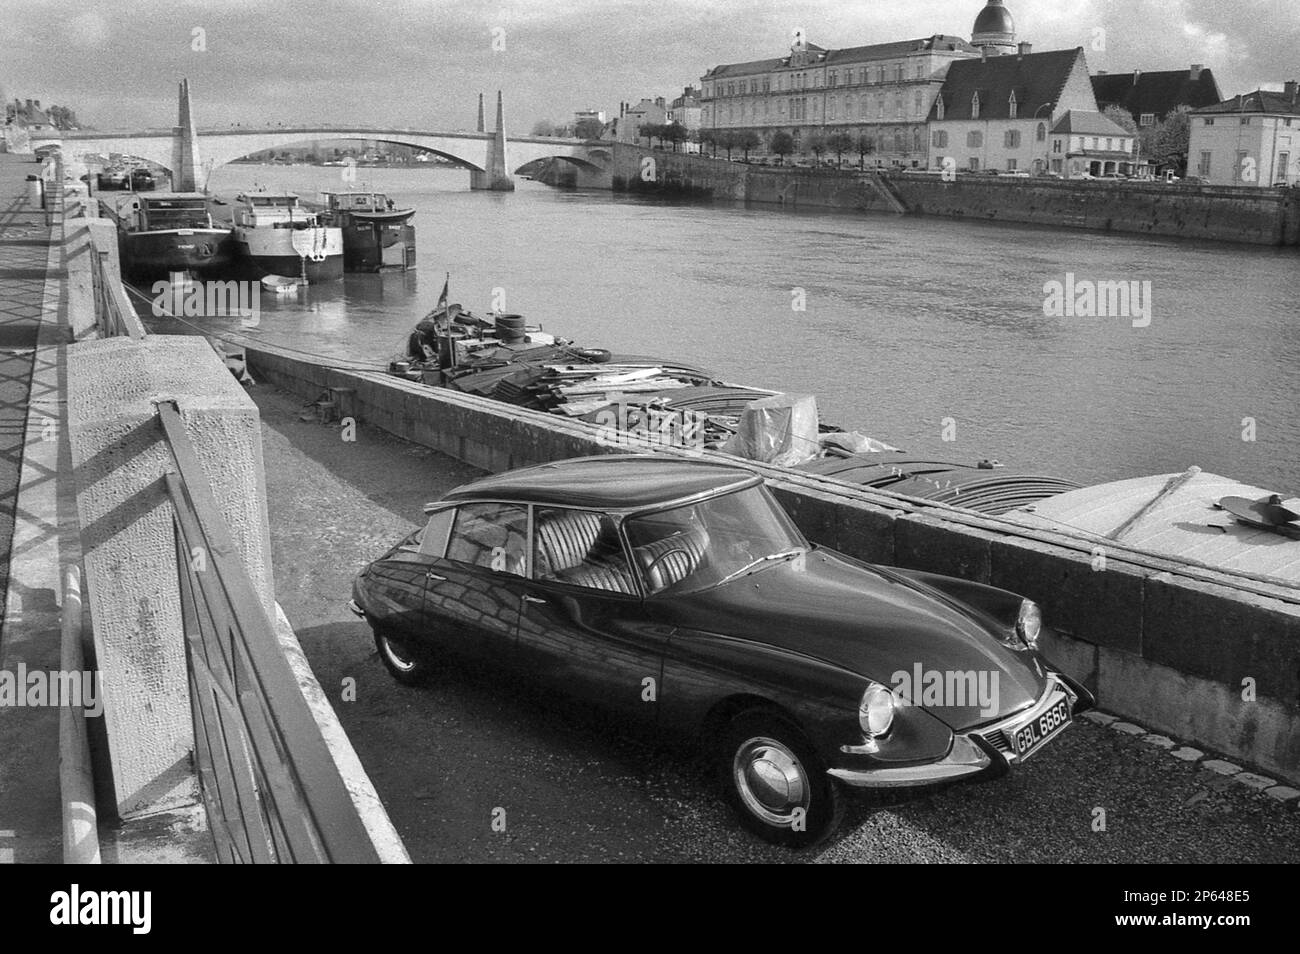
{"x":433,"y":543}
{"x":581,"y":548}
{"x":493,"y":536}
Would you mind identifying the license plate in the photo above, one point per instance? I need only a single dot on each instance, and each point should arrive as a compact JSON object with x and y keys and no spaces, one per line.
{"x":1056,"y":718}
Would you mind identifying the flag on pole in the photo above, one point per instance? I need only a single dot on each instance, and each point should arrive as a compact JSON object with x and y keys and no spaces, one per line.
{"x":446,"y":290}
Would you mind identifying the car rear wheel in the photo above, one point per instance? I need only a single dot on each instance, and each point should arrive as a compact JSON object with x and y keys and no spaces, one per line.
{"x":402,"y":664}
{"x":776,"y":783}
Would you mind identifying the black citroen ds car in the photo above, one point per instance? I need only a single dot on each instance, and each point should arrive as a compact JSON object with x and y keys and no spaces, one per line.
{"x":680,"y":595}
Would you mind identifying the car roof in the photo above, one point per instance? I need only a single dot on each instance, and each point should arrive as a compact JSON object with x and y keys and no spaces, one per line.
{"x":610,"y":482}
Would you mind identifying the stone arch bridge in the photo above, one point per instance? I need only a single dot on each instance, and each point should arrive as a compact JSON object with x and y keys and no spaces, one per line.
{"x":190,"y":155}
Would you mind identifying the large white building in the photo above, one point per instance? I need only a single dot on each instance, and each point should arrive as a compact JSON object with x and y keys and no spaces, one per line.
{"x":881,"y":93}
{"x":1249,"y":140}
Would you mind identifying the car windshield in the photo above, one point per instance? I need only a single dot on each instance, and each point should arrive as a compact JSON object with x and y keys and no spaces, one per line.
{"x":707,"y":543}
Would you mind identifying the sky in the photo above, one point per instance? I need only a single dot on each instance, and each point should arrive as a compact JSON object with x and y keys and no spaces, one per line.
{"x":422,"y":63}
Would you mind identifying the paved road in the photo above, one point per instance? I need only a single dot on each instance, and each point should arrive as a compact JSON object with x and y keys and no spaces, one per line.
{"x":24,"y":247}
{"x":30,"y":819}
{"x":573,"y":788}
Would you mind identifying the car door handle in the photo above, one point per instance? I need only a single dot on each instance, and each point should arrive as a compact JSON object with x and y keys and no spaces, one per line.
{"x":434,"y":576}
{"x":533,"y":599}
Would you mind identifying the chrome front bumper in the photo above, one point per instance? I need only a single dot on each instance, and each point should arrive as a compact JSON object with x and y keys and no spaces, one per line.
{"x":352,"y":605}
{"x":987,"y":748}
{"x":965,"y":758}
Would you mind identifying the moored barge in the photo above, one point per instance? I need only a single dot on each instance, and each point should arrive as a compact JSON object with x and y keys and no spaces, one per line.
{"x":275,"y":235}
{"x":501,"y":356}
{"x":377,"y":235}
{"x":164,"y":232}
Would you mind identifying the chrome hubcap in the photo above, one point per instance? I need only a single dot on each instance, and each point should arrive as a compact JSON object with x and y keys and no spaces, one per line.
{"x":394,"y":657}
{"x":771,"y":781}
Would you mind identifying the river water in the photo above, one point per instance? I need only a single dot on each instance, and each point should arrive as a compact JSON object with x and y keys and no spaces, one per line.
{"x":911,"y":330}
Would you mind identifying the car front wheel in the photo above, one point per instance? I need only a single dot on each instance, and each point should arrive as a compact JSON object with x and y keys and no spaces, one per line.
{"x":776,"y":783}
{"x":402,"y":664}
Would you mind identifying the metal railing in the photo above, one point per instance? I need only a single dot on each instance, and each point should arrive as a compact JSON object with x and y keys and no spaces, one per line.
{"x":114,"y":313}
{"x":272,"y":789}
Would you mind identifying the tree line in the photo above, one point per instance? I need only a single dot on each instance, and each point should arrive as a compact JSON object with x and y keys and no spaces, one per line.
{"x":61,"y":117}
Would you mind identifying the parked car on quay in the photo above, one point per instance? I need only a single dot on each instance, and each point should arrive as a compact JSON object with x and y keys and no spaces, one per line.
{"x":680,"y":596}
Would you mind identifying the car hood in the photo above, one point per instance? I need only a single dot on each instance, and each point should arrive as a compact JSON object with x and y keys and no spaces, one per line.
{"x":898,"y":632}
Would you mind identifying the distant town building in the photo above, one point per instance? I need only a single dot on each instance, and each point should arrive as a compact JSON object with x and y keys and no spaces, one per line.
{"x":1091,"y":143}
{"x":648,"y":112}
{"x":31,"y":116}
{"x":1249,"y":140}
{"x":592,"y":115}
{"x":1152,"y":95}
{"x":685,"y":109}
{"x":998,"y":112}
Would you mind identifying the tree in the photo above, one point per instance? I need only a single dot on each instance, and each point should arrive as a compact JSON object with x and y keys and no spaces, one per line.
{"x":588,"y":129}
{"x":1121,"y":117}
{"x":675,"y":133}
{"x":707,"y":138}
{"x":543,"y":127}
{"x":782,"y":144}
{"x":816,"y":144}
{"x":865,"y":145}
{"x":748,"y":139}
{"x":839,"y":143}
{"x":650,"y":131}
{"x":727,"y":141}
{"x":1173,"y":140}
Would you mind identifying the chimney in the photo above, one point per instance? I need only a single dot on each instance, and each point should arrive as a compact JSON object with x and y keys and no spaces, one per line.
{"x":29,"y":104}
{"x":984,"y":54}
{"x":1026,"y":49}
{"x":1196,"y":71}
{"x":659,"y":101}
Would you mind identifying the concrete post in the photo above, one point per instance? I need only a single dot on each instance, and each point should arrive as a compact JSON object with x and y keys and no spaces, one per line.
{"x":496,"y":177}
{"x":185,"y":145}
{"x":119,"y":455}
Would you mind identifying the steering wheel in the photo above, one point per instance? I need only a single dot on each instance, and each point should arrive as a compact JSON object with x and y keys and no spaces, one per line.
{"x":661,"y":557}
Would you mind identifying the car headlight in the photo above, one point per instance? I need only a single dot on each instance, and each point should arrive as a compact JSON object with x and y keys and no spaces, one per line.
{"x":1030,"y":623}
{"x":876,"y":711}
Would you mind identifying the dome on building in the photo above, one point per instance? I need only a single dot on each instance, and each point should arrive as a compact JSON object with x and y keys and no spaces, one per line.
{"x":995,"y":18}
{"x":995,"y":30}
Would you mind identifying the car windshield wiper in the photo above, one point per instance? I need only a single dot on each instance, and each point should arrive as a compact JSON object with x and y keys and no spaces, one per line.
{"x":770,"y":558}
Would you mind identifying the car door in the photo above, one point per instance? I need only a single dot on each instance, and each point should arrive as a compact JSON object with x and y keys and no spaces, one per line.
{"x":396,"y":585}
{"x":474,"y":583}
{"x":582,"y":628}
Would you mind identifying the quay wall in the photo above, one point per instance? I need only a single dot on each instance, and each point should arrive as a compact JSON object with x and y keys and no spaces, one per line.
{"x":1187,"y":651}
{"x":1220,"y":213}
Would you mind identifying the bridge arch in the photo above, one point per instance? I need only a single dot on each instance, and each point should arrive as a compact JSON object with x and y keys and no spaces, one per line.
{"x":220,"y":149}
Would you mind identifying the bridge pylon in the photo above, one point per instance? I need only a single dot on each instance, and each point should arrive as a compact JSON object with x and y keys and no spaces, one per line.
{"x":496,"y":177}
{"x":185,"y":145}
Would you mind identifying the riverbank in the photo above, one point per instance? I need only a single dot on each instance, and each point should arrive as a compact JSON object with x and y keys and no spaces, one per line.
{"x":1243,"y":215}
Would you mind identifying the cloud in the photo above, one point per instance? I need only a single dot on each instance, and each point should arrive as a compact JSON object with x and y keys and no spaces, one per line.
{"x":87,"y":31}
{"x":423,"y":62}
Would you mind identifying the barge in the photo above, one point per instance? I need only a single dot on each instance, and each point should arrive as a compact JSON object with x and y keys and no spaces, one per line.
{"x":160,"y":233}
{"x":377,"y":235}
{"x":503,"y":357}
{"x":275,"y":235}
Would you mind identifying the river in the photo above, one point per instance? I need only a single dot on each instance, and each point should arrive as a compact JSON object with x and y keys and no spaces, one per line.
{"x":911,"y":330}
